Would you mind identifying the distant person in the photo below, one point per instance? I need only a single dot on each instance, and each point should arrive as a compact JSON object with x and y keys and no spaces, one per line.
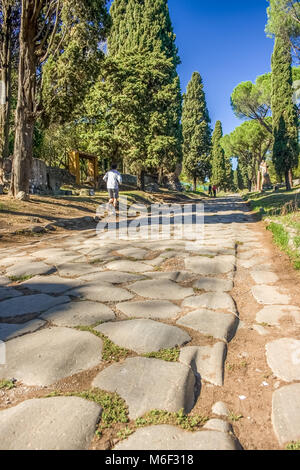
{"x":210,"y":190}
{"x":215,"y":190}
{"x":113,"y":179}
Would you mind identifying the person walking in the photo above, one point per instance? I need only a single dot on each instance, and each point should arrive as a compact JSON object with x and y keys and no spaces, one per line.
{"x":214,"y":190}
{"x":113,"y":179}
{"x":210,"y":190}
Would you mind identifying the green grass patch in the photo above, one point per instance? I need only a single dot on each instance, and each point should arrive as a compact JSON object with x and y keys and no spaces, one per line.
{"x":111,"y":352}
{"x":155,"y":417}
{"x":281,"y":239}
{"x":20,"y":278}
{"x":169,"y":355}
{"x":274,"y":203}
{"x":293,"y":446}
{"x":6,"y":385}
{"x":235,"y":417}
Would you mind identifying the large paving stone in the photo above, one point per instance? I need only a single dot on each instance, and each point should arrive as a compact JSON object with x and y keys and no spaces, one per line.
{"x":207,"y":361}
{"x":176,"y":276}
{"x":29,"y":305}
{"x":165,"y":437}
{"x":212,"y":301}
{"x":286,"y":413}
{"x":29,"y":268}
{"x":4,"y":281}
{"x":50,"y":284}
{"x":83,"y":313}
{"x":264,"y":277}
{"x":101,"y":293}
{"x":152,"y":309}
{"x":219,"y":325}
{"x":211,"y":284}
{"x":272,"y":314}
{"x":144,"y":336}
{"x":269,"y":295}
{"x":76,"y":269}
{"x":128,"y":266}
{"x":283,"y":357}
{"x":111,"y":277}
{"x":9,"y":292}
{"x":209,"y":266}
{"x":161,"y":289}
{"x":44,"y":357}
{"x":132,"y":252}
{"x":147,"y":384}
{"x":58,"y":423}
{"x":10,"y":331}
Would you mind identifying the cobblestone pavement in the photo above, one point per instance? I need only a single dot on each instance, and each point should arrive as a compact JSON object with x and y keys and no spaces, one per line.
{"x":145,"y":296}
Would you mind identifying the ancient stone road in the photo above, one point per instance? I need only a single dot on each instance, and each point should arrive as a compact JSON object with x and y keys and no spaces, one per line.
{"x":145,"y":296}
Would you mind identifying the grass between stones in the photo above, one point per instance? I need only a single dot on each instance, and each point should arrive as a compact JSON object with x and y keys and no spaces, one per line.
{"x":169,"y":355}
{"x":293,"y":446}
{"x":6,"y":384}
{"x":180,"y":419}
{"x":282,"y":239}
{"x":20,"y":278}
{"x":233,"y":417}
{"x":111,"y":352}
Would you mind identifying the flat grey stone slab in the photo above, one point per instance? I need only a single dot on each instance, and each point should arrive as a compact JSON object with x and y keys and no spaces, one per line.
{"x":272,"y":314}
{"x":218,"y":425}
{"x":83,"y":313}
{"x":176,"y":276}
{"x":58,"y":423}
{"x":207,"y":361}
{"x":49,"y":355}
{"x":218,"y":325}
{"x":11,"y":260}
{"x":111,"y":277}
{"x":269,"y":295}
{"x":147,"y":384}
{"x":283,"y":357}
{"x":8,"y":331}
{"x":9,"y":292}
{"x":76,"y":269}
{"x":165,"y":437}
{"x":220,"y":409}
{"x":29,"y":305}
{"x":211,"y":301}
{"x":210,"y":266}
{"x":50,"y":284}
{"x":144,"y":336}
{"x":211,"y":284}
{"x":128,"y":266}
{"x":286,"y":413}
{"x":132,"y":252}
{"x":101,"y":293}
{"x":4,"y":281}
{"x":161,"y":289}
{"x":264,"y":277}
{"x":151,"y":309}
{"x":27,"y":268}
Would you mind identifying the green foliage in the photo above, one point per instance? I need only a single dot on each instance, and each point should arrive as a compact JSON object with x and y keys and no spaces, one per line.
{"x":169,"y":355}
{"x":196,"y":131}
{"x":293,"y":446}
{"x":140,"y":89}
{"x":6,"y":385}
{"x":285,"y":120}
{"x":155,"y":417}
{"x":111,"y":352}
{"x":219,"y":176}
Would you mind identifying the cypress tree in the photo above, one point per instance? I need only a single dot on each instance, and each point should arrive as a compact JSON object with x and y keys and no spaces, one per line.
{"x":142,"y":49}
{"x":219,"y":176}
{"x":285,"y":130}
{"x":196,"y":131}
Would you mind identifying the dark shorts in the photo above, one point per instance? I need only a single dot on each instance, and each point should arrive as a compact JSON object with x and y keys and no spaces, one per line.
{"x":113,"y":193}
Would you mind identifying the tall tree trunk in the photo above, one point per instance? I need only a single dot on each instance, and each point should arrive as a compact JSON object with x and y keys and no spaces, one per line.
{"x":141,"y":180}
{"x":25,"y":112}
{"x":5,"y":77}
{"x":287,"y":180}
{"x":160,"y":176}
{"x":291,"y":178}
{"x":195,"y":183}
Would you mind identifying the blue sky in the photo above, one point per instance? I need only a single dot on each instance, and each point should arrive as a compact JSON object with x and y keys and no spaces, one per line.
{"x":224,"y":40}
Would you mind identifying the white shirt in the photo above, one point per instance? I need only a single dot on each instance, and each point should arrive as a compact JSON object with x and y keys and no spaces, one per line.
{"x":113,"y":179}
